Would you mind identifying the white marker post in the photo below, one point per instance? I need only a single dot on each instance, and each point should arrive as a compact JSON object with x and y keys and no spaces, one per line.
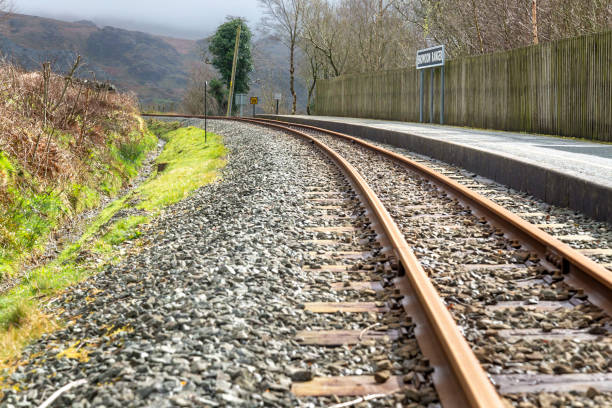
{"x":277,"y":98}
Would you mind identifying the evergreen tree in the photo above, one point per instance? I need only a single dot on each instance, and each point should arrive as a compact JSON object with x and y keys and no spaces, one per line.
{"x":222,"y":48}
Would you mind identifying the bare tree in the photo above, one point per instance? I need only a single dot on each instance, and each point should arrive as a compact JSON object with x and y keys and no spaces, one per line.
{"x":534,"y":20}
{"x":325,"y":31}
{"x":193,"y":100}
{"x":492,"y":25}
{"x":378,"y":36}
{"x":283,"y":18}
{"x":6,"y":6}
{"x":312,"y":67}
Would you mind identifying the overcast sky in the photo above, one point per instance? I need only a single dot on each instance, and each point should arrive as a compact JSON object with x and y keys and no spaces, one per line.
{"x":179,"y":18}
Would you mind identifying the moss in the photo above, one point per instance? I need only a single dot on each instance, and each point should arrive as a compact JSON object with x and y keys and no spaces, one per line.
{"x":124,"y":229}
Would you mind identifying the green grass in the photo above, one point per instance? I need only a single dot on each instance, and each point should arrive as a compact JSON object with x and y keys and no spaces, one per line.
{"x":25,"y":220}
{"x":15,"y":315}
{"x":190,"y":164}
{"x":124,"y":229}
{"x":7,"y":170}
{"x":129,"y":153}
{"x":29,"y":212}
{"x":162,"y":128}
{"x":83,"y":198}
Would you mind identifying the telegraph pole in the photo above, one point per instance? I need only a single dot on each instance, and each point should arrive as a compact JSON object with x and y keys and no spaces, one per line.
{"x":230,"y":101}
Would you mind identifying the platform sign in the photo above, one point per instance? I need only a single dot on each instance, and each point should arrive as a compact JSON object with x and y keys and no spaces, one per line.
{"x":430,"y":57}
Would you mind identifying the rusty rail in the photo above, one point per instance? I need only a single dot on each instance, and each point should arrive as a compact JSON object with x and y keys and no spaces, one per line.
{"x":583,"y":272}
{"x":580,"y":271}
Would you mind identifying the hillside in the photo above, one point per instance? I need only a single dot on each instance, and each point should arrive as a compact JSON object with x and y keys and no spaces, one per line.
{"x":156,"y":68}
{"x":59,"y":155}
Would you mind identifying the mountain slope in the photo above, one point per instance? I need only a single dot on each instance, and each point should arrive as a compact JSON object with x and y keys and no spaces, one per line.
{"x":156,"y":68}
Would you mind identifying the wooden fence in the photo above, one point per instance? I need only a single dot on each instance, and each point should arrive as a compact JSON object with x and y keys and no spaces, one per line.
{"x":562,"y":88}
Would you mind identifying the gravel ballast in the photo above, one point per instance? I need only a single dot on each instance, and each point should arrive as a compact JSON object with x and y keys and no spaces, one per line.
{"x":205,"y":311}
{"x":455,"y":248}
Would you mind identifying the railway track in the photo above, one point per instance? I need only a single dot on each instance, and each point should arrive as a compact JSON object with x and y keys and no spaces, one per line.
{"x":535,"y":312}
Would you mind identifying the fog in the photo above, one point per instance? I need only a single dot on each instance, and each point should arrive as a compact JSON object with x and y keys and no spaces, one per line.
{"x":192,"y":19}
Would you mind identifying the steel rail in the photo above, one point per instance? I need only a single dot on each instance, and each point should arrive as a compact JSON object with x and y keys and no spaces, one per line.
{"x":461,"y":380}
{"x":475,"y":385}
{"x":583,"y":272}
{"x":580,"y":271}
{"x":475,"y":389}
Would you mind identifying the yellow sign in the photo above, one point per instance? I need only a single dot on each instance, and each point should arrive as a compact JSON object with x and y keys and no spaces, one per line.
{"x":254,"y":100}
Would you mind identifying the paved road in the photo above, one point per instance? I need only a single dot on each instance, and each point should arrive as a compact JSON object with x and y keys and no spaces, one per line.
{"x":583,"y":159}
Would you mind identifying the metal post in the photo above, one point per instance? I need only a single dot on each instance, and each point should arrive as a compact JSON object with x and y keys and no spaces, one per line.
{"x":442,"y":95}
{"x":205,"y":111}
{"x":253,"y":110}
{"x":422,"y":96}
{"x":277,"y":106}
{"x":431,"y":95}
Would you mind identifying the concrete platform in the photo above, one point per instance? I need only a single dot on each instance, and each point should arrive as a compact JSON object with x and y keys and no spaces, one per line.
{"x":564,"y":172}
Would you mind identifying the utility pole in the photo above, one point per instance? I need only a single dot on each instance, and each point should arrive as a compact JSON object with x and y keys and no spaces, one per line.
{"x":230,"y":101}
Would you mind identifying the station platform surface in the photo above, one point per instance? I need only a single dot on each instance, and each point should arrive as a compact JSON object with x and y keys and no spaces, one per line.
{"x":561,"y":171}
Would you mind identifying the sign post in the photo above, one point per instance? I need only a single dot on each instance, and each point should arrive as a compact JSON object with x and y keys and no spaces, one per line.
{"x":430,"y":58}
{"x":442,"y":95}
{"x":421,"y":95}
{"x":277,"y":98}
{"x":254,"y":101}
{"x":431,"y":95}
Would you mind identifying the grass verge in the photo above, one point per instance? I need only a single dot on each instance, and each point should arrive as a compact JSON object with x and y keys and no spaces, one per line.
{"x":188,"y":163}
{"x":31,"y":208}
